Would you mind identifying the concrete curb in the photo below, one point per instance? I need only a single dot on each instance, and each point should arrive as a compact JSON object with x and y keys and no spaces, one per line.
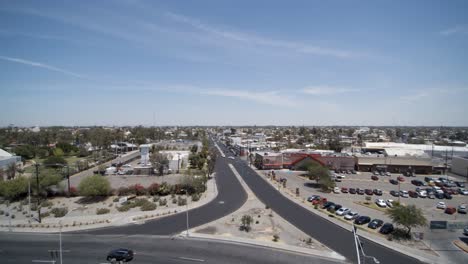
{"x":283,"y":247}
{"x":394,"y":246}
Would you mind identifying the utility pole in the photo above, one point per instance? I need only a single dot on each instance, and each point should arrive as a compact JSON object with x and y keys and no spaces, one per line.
{"x":29,"y":197}
{"x":38,"y":194}
{"x":68,"y":179}
{"x":60,"y":241}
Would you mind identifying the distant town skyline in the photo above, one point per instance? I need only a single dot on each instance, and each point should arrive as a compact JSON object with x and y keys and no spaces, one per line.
{"x":170,"y":63}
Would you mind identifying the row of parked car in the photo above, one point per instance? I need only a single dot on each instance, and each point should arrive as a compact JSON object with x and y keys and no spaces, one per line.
{"x":462,"y":208}
{"x":348,"y":214}
{"x":357,"y":191}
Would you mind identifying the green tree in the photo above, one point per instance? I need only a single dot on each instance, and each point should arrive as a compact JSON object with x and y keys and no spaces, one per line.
{"x":14,"y":189}
{"x":408,"y":216}
{"x":58,"y":152}
{"x":246,"y":220}
{"x":95,"y":185}
{"x":55,"y":161}
{"x":159,"y":161}
{"x":321,"y":175}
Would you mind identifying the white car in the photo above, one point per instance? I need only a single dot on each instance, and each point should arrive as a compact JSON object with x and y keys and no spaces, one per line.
{"x":342,"y":211}
{"x":441,"y":205}
{"x":389,"y":202}
{"x":380,"y":203}
{"x":340,"y":176}
{"x":464,"y":191}
{"x":422,"y":194}
{"x":351,"y":215}
{"x":336,"y":190}
{"x":231,"y":157}
{"x":404,"y":194}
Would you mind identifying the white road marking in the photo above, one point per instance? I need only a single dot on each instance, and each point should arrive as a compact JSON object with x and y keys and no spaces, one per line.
{"x":192,"y":259}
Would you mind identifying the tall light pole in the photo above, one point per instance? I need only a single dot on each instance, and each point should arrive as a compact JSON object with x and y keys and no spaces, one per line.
{"x":178,"y":162}
{"x":60,"y":240}
{"x":38,"y":195}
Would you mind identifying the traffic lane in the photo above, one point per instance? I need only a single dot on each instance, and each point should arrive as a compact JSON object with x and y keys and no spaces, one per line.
{"x":231,"y":196}
{"x":148,"y":249}
{"x":333,"y":236}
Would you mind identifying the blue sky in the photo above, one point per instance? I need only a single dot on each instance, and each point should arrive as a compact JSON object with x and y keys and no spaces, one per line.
{"x":234,"y":62}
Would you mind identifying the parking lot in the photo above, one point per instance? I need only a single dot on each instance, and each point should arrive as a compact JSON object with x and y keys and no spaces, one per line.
{"x":363,"y":180}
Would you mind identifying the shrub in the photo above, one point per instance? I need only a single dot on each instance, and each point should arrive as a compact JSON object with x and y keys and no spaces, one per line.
{"x":95,"y":185}
{"x":59,"y":211}
{"x":195,"y":197}
{"x":153,"y":189}
{"x":174,"y":200}
{"x":275,"y":238}
{"x":162,"y":202}
{"x":13,"y":216}
{"x":116,"y":200}
{"x":181,"y":201}
{"x":156,"y":198}
{"x":123,"y":191}
{"x":148,"y":206}
{"x":46,"y":203}
{"x":33,"y":206}
{"x":2,"y":212}
{"x":138,"y":189}
{"x":73,"y":191}
{"x":7,"y":214}
{"x":123,"y":208}
{"x":101,"y":211}
{"x":45,"y":214}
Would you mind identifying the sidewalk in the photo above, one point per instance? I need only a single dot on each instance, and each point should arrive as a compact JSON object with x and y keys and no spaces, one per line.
{"x":83,"y":222}
{"x":382,"y":241}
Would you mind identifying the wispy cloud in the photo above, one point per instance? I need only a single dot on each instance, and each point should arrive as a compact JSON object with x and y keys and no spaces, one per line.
{"x":327,"y":90}
{"x":262,"y":41}
{"x":263,"y":97}
{"x":459,"y":29}
{"x":41,"y":65}
{"x":420,"y":94}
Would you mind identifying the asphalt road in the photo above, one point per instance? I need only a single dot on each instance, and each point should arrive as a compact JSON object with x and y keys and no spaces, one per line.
{"x":333,"y":236}
{"x":89,"y":249}
{"x":231,"y":196}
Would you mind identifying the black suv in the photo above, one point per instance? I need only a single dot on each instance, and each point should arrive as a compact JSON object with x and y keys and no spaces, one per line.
{"x":362,"y":220}
{"x":120,"y":254}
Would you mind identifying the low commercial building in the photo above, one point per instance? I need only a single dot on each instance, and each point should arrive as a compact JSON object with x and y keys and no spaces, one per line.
{"x":420,"y":165}
{"x":6,"y":159}
{"x":268,"y":160}
{"x":460,"y":166}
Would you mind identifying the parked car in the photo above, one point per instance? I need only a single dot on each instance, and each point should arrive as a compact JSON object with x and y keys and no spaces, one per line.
{"x":313,"y":197}
{"x":389,"y":202}
{"x":462,"y":191}
{"x":450,"y":210}
{"x":337,"y":207}
{"x":342,"y":211}
{"x":428,"y":179}
{"x":353,"y":172}
{"x":380,"y":203}
{"x":461,"y":209}
{"x":447,"y":196}
{"x":360,"y":191}
{"x":460,"y":184}
{"x":375,"y":178}
{"x":375,"y":173}
{"x":465,"y":231}
{"x":388,"y":174}
{"x":387,"y":228}
{"x":439,"y":195}
{"x":352,"y":191}
{"x":120,"y":254}
{"x":431,"y":195}
{"x":417,"y":182}
{"x":374,"y":224}
{"x":361,"y":220}
{"x":413,"y":194}
{"x":336,"y":190}
{"x":404,"y":194}
{"x":344,"y":190}
{"x":393,"y":181}
{"x":321,"y":200}
{"x":368,"y":191}
{"x":394,"y":193}
{"x":351,"y":215}
{"x":441,"y":205}
{"x":401,"y":179}
{"x":377,"y":192}
{"x":422,"y":194}
{"x":327,"y":205}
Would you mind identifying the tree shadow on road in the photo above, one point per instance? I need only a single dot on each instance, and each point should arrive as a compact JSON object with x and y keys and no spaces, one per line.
{"x":312,"y":185}
{"x":90,"y":200}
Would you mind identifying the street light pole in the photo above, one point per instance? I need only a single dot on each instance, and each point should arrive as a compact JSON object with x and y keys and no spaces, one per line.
{"x":60,"y":241}
{"x":38,"y":195}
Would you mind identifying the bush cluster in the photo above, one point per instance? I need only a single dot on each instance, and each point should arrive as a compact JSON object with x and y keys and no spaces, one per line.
{"x":101,"y":211}
{"x":59,"y":211}
{"x":144,"y":204}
